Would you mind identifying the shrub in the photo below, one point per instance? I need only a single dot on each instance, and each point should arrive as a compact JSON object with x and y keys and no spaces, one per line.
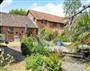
{"x":80,"y":25}
{"x":27,"y":45}
{"x":33,"y":45}
{"x":48,"y":34}
{"x":40,"y":50}
{"x":39,"y":63}
{"x":33,"y":62}
{"x":61,"y":38}
{"x":53,"y":62}
{"x":5,"y":61}
{"x":85,"y":38}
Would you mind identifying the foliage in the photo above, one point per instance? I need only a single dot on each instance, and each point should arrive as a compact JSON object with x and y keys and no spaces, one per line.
{"x":80,"y":25}
{"x":5,"y":61}
{"x":40,"y":58}
{"x":53,"y":62}
{"x":71,"y":6}
{"x":48,"y":34}
{"x":27,"y":45}
{"x":74,"y":46}
{"x":85,"y":38}
{"x":18,"y":12}
{"x":62,"y":38}
{"x":87,"y":65}
{"x":34,"y":62}
{"x":39,"y":63}
{"x":33,"y":45}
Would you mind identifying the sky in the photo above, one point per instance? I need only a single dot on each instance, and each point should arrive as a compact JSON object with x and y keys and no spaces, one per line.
{"x":54,"y":7}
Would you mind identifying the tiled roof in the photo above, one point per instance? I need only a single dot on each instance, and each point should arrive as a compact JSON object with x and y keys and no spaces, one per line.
{"x":44,"y":16}
{"x":15,"y":20}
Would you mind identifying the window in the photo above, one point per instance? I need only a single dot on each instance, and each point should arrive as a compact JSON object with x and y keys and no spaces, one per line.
{"x":61,"y":25}
{"x":0,"y":30}
{"x":10,"y":29}
{"x":22,"y":31}
{"x":44,"y":21}
{"x":54,"y":25}
{"x":16,"y":33}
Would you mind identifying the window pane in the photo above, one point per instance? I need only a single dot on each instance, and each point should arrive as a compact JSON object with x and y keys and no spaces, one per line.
{"x":0,"y":29}
{"x":10,"y":29}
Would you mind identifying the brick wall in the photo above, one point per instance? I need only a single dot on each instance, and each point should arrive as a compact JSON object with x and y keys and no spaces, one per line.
{"x":40,"y":24}
{"x":17,"y":31}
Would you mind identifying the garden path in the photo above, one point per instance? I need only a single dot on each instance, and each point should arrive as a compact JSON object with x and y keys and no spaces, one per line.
{"x":17,"y":67}
{"x":70,"y":64}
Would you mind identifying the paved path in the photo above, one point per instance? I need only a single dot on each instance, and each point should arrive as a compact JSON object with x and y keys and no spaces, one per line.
{"x":67,"y":66}
{"x":70,"y":64}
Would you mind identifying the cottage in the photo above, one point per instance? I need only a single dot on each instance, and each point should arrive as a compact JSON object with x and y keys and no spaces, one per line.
{"x":14,"y":27}
{"x":47,"y":21}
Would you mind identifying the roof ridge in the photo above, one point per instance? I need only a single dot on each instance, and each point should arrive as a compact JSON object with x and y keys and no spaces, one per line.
{"x":40,"y":16}
{"x":45,"y":13}
{"x":15,"y":20}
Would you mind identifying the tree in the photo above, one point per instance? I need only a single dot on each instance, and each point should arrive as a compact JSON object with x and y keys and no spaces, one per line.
{"x":80,"y":28}
{"x":71,"y":7}
{"x":18,"y":11}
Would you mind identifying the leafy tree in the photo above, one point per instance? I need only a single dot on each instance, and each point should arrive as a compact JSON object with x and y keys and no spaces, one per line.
{"x":18,"y":11}
{"x":80,"y":30}
{"x":71,"y":6}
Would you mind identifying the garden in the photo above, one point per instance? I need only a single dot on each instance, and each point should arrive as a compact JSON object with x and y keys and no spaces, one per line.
{"x":42,"y":52}
{"x":38,"y":56}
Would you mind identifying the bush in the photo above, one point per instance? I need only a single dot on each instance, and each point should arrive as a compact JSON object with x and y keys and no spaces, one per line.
{"x":85,"y":38}
{"x":26,"y":46}
{"x":61,"y":38}
{"x":80,"y":25}
{"x":48,"y":34}
{"x":5,"y":61}
{"x":34,"y":62}
{"x":39,"y":63}
{"x":32,"y":45}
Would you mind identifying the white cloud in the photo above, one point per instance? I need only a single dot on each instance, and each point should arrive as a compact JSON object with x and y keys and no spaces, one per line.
{"x":6,"y":2}
{"x":88,"y":1}
{"x":55,"y":9}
